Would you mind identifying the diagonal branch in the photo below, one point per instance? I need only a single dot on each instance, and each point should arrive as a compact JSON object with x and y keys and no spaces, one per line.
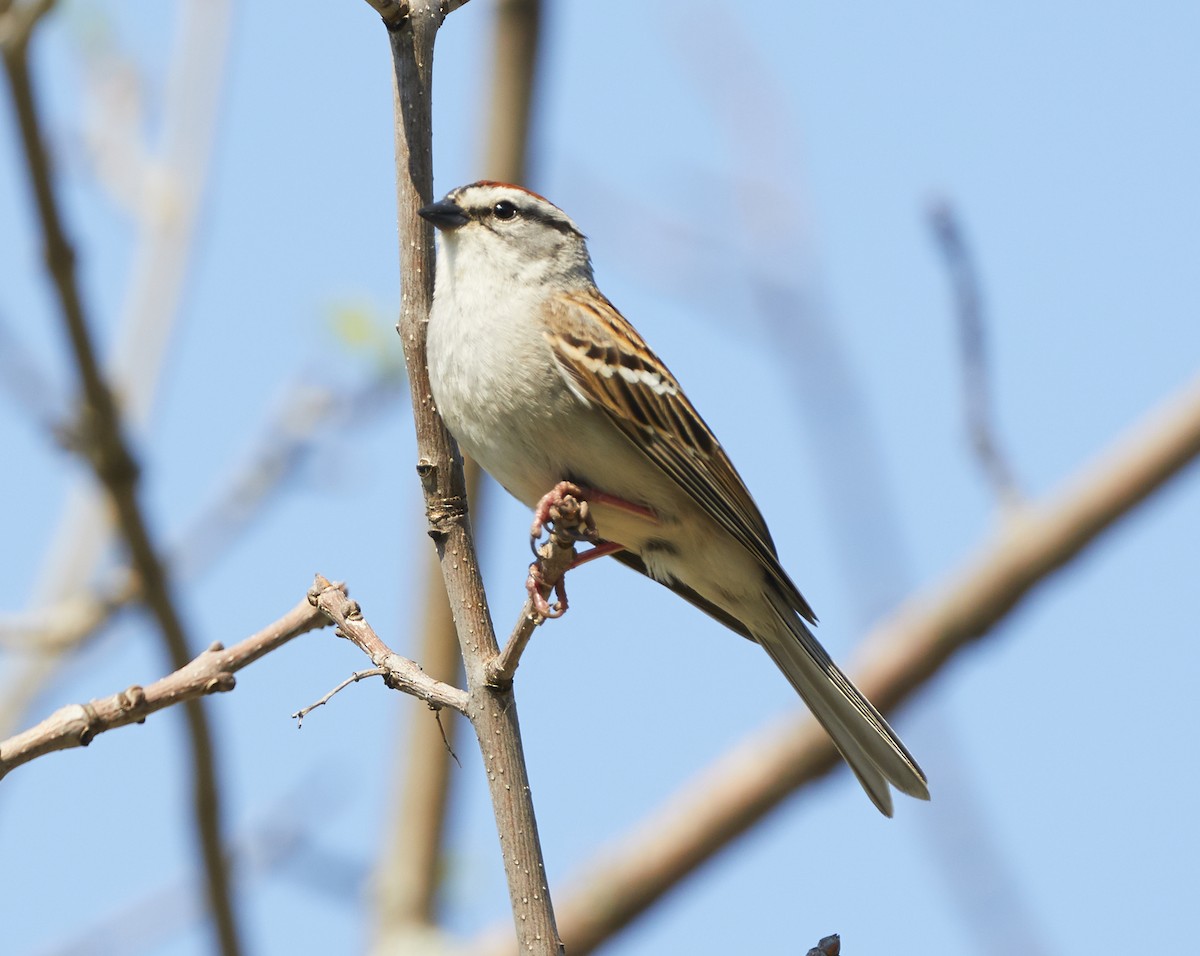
{"x":76,"y":725}
{"x":114,"y":465}
{"x":900,"y":655}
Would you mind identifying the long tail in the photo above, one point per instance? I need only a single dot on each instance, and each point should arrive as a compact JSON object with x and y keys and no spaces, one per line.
{"x":859,"y":732}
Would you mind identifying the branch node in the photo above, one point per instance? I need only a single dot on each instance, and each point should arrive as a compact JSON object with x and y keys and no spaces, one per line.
{"x":321,"y":584}
{"x":89,"y":730}
{"x":132,"y":700}
{"x":443,"y":513}
{"x":223,"y":682}
{"x":215,"y":647}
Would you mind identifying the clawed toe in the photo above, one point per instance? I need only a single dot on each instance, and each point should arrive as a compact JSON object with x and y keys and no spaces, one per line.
{"x":535,"y":583}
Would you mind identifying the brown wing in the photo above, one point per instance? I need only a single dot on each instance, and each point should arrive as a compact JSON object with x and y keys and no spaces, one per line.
{"x":612,"y":367}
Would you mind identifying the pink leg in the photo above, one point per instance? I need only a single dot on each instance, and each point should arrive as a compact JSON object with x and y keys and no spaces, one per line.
{"x":601,"y":550}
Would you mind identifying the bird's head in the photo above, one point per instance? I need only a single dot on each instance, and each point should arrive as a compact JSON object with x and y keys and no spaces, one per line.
{"x":516,"y":232}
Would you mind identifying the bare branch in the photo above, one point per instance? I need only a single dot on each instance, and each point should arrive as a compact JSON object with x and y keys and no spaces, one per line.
{"x":556,"y":556}
{"x":900,"y":655}
{"x":115,"y":467}
{"x":399,"y":673}
{"x":393,"y":12}
{"x":410,"y":869}
{"x":492,"y":711}
{"x":972,"y":337}
{"x":76,"y":725}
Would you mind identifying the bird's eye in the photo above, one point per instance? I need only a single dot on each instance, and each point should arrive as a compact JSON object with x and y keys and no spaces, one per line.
{"x":504,"y":210}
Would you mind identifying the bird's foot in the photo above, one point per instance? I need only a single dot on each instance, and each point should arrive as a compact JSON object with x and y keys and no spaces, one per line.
{"x":539,"y":592}
{"x":567,"y":509}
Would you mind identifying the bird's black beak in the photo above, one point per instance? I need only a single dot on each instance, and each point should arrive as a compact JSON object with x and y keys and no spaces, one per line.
{"x":443,"y":214}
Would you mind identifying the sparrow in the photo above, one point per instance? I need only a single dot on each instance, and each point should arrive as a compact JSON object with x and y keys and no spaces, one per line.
{"x":542,"y":381}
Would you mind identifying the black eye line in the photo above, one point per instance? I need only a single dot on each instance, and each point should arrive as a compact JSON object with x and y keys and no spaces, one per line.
{"x":487,"y":216}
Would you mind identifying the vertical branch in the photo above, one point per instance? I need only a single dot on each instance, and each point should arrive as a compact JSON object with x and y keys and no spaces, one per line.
{"x":104,"y":444}
{"x":410,"y":866}
{"x":492,"y":711}
{"x":410,"y":870}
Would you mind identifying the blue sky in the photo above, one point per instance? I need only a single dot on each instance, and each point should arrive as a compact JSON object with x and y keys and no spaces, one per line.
{"x":709,"y":156}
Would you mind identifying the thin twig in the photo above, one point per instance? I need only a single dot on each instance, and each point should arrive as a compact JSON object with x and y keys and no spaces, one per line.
{"x":354,"y":678}
{"x":76,"y":725}
{"x":900,"y":655}
{"x":492,"y":712}
{"x":117,"y":470}
{"x":972,"y":338}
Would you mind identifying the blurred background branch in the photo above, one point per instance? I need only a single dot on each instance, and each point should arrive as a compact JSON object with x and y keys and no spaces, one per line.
{"x":973,"y":340}
{"x":105,"y":446}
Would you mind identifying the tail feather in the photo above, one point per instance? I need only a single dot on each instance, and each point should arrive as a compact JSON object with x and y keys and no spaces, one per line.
{"x":858,"y":730}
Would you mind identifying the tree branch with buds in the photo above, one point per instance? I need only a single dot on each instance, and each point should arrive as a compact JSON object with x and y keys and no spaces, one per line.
{"x":491,"y":710}
{"x":212,"y":672}
{"x":76,"y":725}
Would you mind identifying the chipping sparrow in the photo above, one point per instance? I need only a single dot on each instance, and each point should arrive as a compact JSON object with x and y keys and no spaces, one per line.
{"x":541,"y":380}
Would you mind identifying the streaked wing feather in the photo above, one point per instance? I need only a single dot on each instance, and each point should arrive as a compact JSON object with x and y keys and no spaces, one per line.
{"x":645,"y":401}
